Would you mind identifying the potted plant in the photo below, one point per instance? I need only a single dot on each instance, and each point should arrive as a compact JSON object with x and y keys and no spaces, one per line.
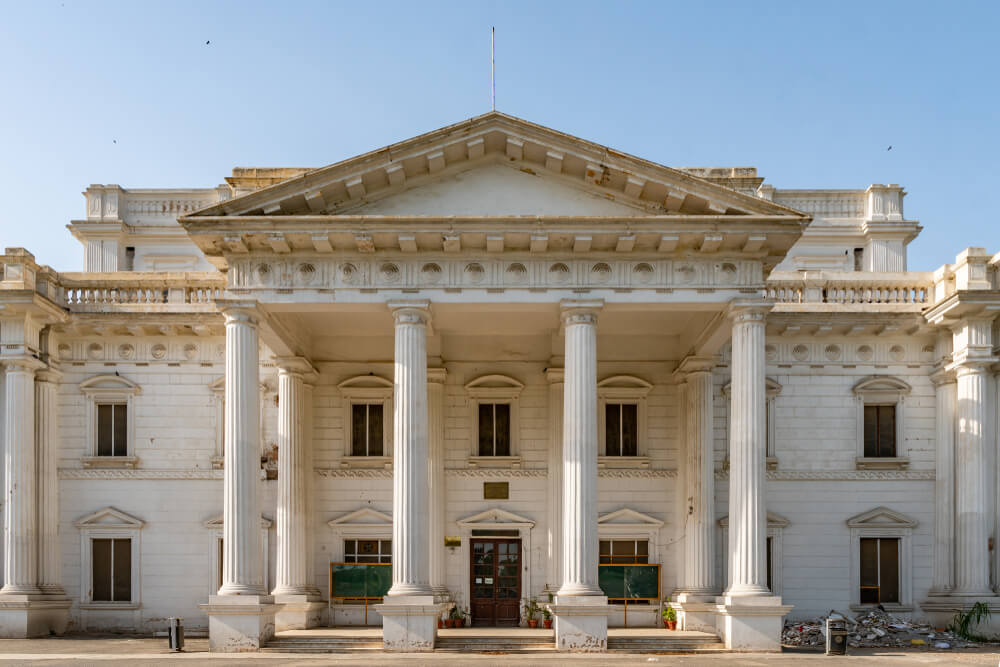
{"x":669,"y":616}
{"x":547,"y":618}
{"x":455,"y":617}
{"x":532,"y":611}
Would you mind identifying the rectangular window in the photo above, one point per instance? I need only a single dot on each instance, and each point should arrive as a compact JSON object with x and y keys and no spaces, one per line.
{"x":624,"y":552}
{"x":366,"y":429}
{"x":621,"y":429}
{"x":494,"y":429}
{"x":367,"y":551}
{"x":112,"y":429}
{"x":111,"y":564}
{"x":880,"y":431}
{"x":879,"y":570}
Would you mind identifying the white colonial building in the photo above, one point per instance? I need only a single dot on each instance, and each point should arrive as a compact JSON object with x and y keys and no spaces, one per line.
{"x":497,"y":357}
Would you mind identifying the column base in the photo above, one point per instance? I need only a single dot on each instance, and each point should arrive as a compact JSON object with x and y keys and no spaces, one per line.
{"x":581,"y":623}
{"x":24,"y":616}
{"x":941,"y":612}
{"x":751,"y":623}
{"x":409,"y":622}
{"x":239,"y":623}
{"x":696,"y":612}
{"x":299,"y":612}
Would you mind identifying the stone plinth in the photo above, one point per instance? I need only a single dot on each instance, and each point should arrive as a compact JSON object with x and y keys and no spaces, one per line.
{"x":696,"y":612}
{"x":239,"y":623}
{"x":409,"y":622}
{"x":298,"y":612}
{"x":23,"y":616}
{"x":581,"y":622}
{"x":751,"y":623}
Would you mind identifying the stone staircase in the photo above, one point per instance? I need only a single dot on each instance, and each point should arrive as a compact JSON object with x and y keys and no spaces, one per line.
{"x":321,"y":644}
{"x":666,"y":644}
{"x":472,"y":643}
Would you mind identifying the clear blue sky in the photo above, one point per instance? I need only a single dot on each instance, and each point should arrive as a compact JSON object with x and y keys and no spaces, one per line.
{"x":810,"y":93}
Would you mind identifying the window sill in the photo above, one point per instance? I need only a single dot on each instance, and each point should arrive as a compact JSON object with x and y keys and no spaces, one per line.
{"x":890,"y":608}
{"x":494,"y":462}
{"x":218,"y":462}
{"x":366,"y":462}
{"x":110,"y":606}
{"x":110,"y":461}
{"x":882,"y":463}
{"x":622,"y":461}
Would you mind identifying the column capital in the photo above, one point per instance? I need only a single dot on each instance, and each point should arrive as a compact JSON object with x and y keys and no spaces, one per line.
{"x":692,"y":365}
{"x":49,"y":374}
{"x":23,"y":364}
{"x":239,"y":312}
{"x":555,"y":375}
{"x":943,"y":376}
{"x":299,"y":366}
{"x":748,"y":311}
{"x":417,"y":311}
{"x":580,"y":311}
{"x":971,"y":367}
{"x":437,"y":375}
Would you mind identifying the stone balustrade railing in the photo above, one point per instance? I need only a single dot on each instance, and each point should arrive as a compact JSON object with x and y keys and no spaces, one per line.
{"x":129,"y":291}
{"x":913,"y":290}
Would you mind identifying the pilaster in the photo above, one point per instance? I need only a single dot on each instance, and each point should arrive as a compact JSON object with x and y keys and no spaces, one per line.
{"x":556,"y":377}
{"x":946,"y":396}
{"x":437,"y":481}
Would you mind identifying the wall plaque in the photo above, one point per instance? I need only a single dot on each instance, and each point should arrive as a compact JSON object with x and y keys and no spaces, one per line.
{"x":452,"y":541}
{"x":496,"y":490}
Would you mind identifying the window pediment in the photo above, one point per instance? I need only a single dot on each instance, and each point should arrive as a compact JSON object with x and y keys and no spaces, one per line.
{"x":109,"y":517}
{"x":623,"y":386}
{"x":773,"y":521}
{"x":364,"y":517}
{"x":218,"y":522}
{"x":881,"y":386}
{"x":104,"y":385}
{"x":881,"y":517}
{"x":219,"y":385}
{"x":494,"y":386}
{"x":495,"y":518}
{"x":369,"y":381}
{"x":771,"y":387}
{"x":628,"y":517}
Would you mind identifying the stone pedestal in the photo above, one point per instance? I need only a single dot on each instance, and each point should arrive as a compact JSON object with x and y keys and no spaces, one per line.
{"x":409,"y":622}
{"x":297,"y":612}
{"x":696,"y":612}
{"x":23,"y":616}
{"x":751,"y":623}
{"x":239,"y":623}
{"x":581,"y":623}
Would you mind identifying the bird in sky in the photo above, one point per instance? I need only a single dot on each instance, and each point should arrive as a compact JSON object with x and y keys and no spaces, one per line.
{"x":208,"y":41}
{"x":889,"y":148}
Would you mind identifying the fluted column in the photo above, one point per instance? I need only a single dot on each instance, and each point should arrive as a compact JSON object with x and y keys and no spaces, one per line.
{"x":747,"y":451}
{"x":555,"y":377}
{"x":410,"y":492}
{"x":291,"y":575}
{"x":437,"y":479}
{"x":971,"y":497}
{"x":241,"y":569}
{"x":699,"y":535}
{"x":579,"y":527}
{"x":20,"y":537}
{"x":946,"y":392}
{"x":47,"y":439}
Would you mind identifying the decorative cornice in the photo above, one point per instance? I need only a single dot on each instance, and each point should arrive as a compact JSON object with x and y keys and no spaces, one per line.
{"x":625,"y":473}
{"x":354,"y":473}
{"x":512,"y":473}
{"x":841,"y":475}
{"x":140,"y":473}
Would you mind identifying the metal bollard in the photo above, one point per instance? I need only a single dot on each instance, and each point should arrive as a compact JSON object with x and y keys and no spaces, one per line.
{"x":836,"y":635}
{"x":175,"y":634}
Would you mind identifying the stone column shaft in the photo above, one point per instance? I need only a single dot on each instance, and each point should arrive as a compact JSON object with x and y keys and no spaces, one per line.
{"x":241,"y":569}
{"x":291,"y":576}
{"x":437,"y":480}
{"x":945,"y":391}
{"x":699,"y":535}
{"x":971,"y":531}
{"x":410,"y":492}
{"x":20,"y":506}
{"x":747,"y":447}
{"x":555,"y":490}
{"x":47,"y":437}
{"x":579,"y":470}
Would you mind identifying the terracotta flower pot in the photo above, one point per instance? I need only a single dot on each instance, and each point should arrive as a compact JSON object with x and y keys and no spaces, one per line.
{"x":440,"y":623}
{"x":532,"y":623}
{"x":548,"y":623}
{"x":671,"y":625}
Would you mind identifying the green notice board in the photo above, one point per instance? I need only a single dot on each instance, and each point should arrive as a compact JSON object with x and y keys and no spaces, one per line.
{"x":360,"y":580}
{"x":633,"y":582}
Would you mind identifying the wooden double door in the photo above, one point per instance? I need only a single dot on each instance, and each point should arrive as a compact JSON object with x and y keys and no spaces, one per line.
{"x":496,"y":582}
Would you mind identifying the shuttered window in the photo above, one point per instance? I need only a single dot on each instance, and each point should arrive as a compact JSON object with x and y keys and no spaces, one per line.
{"x":366,"y":429}
{"x":879,"y":570}
{"x":111,"y":563}
{"x":621,"y":429}
{"x":494,"y":429}
{"x":880,"y":431}
{"x":112,"y":429}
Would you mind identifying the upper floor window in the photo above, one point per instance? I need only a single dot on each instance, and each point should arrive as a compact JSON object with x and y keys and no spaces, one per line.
{"x":110,"y":421}
{"x":493,"y":402}
{"x":621,"y":416}
{"x":368,"y":417}
{"x":880,"y":402}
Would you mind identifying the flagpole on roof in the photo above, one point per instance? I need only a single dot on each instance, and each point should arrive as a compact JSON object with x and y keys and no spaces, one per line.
{"x":493,"y":66}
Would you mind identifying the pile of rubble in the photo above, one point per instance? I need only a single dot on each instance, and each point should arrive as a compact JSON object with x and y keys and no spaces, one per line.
{"x":874,"y":629}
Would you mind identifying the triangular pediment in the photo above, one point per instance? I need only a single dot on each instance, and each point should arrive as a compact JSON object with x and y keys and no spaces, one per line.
{"x":495,"y":165}
{"x":881,"y":517}
{"x":364,"y":517}
{"x":109,"y":517}
{"x":495,"y":517}
{"x":628,"y":517}
{"x":773,"y":521}
{"x":219,"y":522}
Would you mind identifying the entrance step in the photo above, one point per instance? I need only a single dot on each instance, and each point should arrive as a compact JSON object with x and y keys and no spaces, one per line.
{"x":666,"y":644}
{"x":472,"y":643}
{"x":323,"y":645}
